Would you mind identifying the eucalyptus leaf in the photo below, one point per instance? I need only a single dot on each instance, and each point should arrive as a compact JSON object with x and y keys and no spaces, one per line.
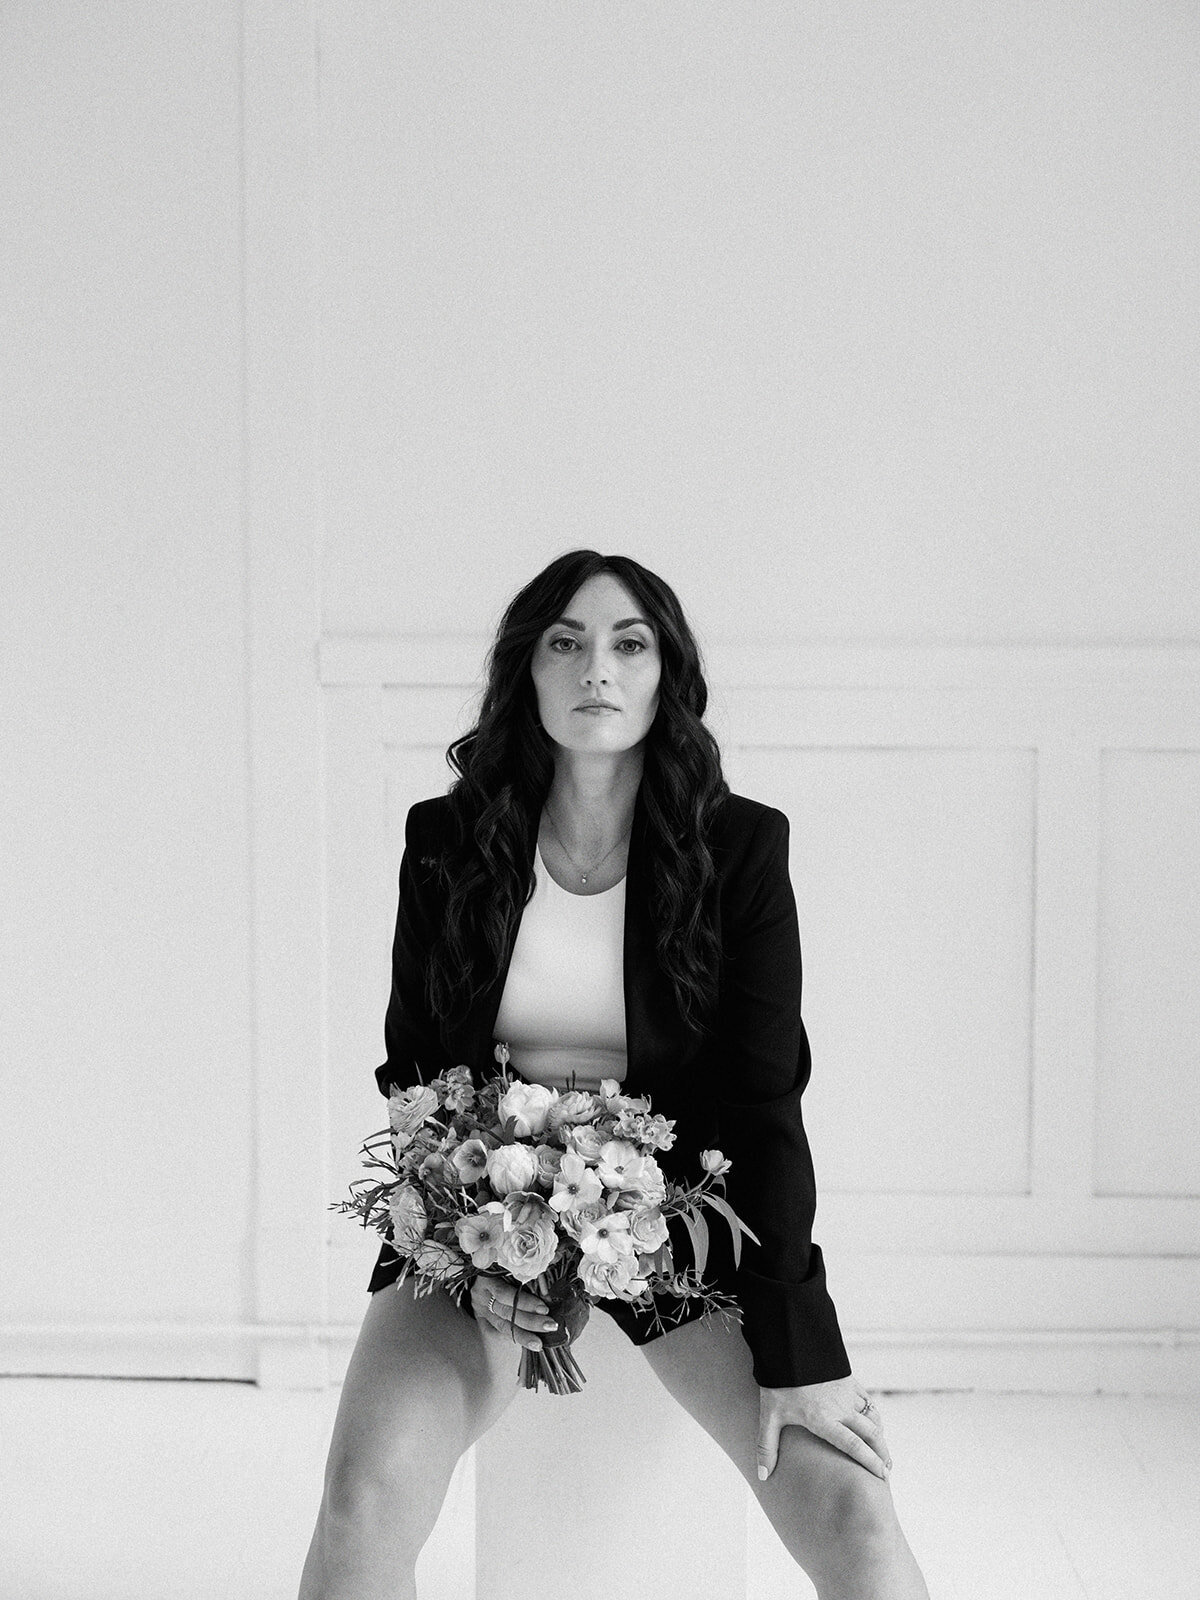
{"x":736,"y":1226}
{"x":697,"y":1229}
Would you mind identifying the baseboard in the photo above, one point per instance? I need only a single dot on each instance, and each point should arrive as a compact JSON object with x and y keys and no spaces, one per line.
{"x":304,"y":1356}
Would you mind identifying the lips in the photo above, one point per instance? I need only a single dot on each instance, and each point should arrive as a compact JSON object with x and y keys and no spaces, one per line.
{"x":596,"y":705}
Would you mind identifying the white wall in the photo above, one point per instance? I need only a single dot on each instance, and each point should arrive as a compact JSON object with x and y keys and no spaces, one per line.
{"x":872,"y":329}
{"x":124,"y":871}
{"x":896,"y":301}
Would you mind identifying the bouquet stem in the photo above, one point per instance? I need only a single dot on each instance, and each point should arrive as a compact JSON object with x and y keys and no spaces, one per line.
{"x":556,"y":1367}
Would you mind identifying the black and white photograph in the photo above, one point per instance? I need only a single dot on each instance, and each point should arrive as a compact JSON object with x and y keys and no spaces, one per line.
{"x":600,"y":799}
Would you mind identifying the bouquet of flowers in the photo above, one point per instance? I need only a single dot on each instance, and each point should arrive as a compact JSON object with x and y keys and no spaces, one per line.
{"x":556,"y":1191}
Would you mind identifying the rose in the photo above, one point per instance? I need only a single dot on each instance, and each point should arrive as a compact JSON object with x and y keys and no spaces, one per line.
{"x":586,"y":1141}
{"x":511,"y":1166}
{"x":409,"y":1219}
{"x":574,"y":1219}
{"x":482,"y":1233}
{"x":715,"y":1162}
{"x":609,"y":1280}
{"x":529,"y":1105}
{"x":531,"y":1240}
{"x":549,"y":1159}
{"x":648,"y":1229}
{"x":470,"y":1160}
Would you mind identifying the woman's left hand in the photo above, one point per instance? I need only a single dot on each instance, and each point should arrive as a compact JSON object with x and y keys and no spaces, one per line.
{"x":834,"y":1412}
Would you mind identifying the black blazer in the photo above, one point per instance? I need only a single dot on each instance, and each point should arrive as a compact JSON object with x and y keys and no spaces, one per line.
{"x":737,"y":1090}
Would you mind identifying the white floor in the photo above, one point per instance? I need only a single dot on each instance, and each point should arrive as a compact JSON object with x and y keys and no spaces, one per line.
{"x":132,"y":1490}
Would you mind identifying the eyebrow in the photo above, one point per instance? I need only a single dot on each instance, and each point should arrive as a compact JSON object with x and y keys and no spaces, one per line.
{"x":580,"y":627}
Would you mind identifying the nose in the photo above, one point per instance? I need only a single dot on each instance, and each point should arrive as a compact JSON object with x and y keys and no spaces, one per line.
{"x":595,"y":671}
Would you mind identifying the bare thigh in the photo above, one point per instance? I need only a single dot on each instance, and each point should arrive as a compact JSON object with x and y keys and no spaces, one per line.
{"x":425,"y":1381}
{"x":817,"y":1498}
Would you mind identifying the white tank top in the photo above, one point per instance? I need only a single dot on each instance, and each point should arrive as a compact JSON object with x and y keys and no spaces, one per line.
{"x":563,"y":1006}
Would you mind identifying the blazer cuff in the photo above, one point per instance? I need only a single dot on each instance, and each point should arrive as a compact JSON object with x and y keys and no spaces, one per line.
{"x":791,"y":1328}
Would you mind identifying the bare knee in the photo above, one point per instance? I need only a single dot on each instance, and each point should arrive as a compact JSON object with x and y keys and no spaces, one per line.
{"x":855,"y":1528}
{"x":391,"y":1476}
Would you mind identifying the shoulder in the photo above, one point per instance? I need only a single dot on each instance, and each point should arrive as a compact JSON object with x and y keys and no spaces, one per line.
{"x":427,"y":828}
{"x":747,"y":834}
{"x":742,"y":820}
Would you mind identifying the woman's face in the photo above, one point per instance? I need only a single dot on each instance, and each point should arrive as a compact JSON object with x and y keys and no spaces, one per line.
{"x":600,"y":649}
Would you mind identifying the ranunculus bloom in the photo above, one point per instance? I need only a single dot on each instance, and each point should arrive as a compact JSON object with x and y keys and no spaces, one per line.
{"x":713,"y":1161}
{"x":576,"y":1105}
{"x":482,"y":1234}
{"x":529,"y":1245}
{"x":607,"y":1238}
{"x":648,"y":1228}
{"x":511,"y":1166}
{"x":409,"y":1220}
{"x":408,"y":1108}
{"x":470,"y":1160}
{"x":610,"y":1280}
{"x":575,"y":1185}
{"x":529,"y":1104}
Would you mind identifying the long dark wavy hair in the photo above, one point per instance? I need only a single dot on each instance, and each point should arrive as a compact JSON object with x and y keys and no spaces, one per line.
{"x":504,"y":768}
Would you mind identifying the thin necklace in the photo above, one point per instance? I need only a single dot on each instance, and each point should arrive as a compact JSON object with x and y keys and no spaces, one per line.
{"x":583,"y":876}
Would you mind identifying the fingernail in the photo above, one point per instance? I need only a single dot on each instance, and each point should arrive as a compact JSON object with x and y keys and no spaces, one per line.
{"x":548,"y":1327}
{"x":762,"y":1473}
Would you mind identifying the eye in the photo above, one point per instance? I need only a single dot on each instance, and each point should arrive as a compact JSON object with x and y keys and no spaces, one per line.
{"x":639,"y":645}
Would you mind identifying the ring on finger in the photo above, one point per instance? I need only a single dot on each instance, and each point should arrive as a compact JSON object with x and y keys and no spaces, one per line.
{"x":867,"y":1406}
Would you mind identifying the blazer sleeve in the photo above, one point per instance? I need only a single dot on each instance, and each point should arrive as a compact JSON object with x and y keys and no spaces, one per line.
{"x":410,"y":1032}
{"x":414,"y":1049}
{"x":763,"y":1065}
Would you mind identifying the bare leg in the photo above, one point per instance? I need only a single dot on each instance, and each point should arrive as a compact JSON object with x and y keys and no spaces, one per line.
{"x":835,"y":1518}
{"x":424,"y":1382}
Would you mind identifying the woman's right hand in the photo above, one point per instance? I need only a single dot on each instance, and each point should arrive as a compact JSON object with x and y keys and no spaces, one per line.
{"x":493,"y":1299}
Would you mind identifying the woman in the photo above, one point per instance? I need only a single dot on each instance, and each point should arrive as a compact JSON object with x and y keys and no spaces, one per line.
{"x":591,"y":893}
